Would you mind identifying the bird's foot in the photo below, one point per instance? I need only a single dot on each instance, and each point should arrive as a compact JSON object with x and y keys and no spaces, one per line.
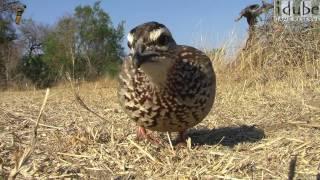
{"x":142,"y":134}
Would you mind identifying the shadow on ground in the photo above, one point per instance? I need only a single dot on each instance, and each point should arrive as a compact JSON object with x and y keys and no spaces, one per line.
{"x":227,"y":136}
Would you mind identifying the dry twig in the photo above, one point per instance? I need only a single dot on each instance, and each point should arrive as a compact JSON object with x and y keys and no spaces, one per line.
{"x":21,"y":161}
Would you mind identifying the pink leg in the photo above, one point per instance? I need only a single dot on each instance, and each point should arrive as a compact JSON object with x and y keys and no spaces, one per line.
{"x":142,"y":134}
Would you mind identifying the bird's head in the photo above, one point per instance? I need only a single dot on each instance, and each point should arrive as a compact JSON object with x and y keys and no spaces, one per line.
{"x":149,"y":45}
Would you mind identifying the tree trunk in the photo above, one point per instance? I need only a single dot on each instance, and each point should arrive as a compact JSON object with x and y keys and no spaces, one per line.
{"x":3,"y":79}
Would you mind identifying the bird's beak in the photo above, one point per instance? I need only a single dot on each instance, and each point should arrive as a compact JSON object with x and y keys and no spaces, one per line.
{"x":141,"y":55}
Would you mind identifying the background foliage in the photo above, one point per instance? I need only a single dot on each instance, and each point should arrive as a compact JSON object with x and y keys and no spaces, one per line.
{"x":85,"y":44}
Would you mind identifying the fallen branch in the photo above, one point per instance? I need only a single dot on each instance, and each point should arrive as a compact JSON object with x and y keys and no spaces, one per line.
{"x":303,"y":124}
{"x":81,"y":102}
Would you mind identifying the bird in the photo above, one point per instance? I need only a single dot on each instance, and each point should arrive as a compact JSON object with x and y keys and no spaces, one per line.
{"x":252,"y":12}
{"x":164,"y":86}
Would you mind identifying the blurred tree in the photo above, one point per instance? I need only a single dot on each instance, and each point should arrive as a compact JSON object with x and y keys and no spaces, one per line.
{"x":34,"y":66}
{"x":7,"y":35}
{"x":99,"y":42}
{"x":85,"y":44}
{"x":60,"y":48}
{"x":8,"y":50}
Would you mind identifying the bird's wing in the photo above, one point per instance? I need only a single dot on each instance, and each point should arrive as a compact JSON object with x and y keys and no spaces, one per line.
{"x":197,"y":75}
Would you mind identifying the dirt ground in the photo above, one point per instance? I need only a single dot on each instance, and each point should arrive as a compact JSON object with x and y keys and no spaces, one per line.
{"x":254,"y":131}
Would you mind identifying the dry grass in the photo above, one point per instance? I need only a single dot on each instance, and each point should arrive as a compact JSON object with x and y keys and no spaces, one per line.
{"x":262,"y":126}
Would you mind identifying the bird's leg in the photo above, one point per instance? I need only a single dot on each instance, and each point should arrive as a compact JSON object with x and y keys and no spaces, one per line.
{"x":142,"y":134}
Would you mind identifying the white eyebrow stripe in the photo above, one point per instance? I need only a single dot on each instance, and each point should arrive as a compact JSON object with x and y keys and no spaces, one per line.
{"x":130,"y":38}
{"x":154,"y":35}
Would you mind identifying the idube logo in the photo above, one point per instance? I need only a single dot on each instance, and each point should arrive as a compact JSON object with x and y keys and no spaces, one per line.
{"x":297,"y":10}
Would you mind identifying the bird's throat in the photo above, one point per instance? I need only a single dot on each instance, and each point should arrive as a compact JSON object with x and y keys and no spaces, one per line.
{"x":156,"y":74}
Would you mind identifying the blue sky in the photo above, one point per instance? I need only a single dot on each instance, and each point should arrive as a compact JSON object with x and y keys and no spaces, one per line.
{"x":203,"y":23}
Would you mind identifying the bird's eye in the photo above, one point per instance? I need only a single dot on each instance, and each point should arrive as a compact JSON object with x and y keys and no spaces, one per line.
{"x":129,"y":45}
{"x":163,"y":39}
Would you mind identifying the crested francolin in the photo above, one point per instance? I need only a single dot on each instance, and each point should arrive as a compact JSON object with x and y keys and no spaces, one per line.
{"x":165,"y":86}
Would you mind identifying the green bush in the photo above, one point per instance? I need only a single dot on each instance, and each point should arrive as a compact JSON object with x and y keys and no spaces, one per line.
{"x":37,"y":71}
